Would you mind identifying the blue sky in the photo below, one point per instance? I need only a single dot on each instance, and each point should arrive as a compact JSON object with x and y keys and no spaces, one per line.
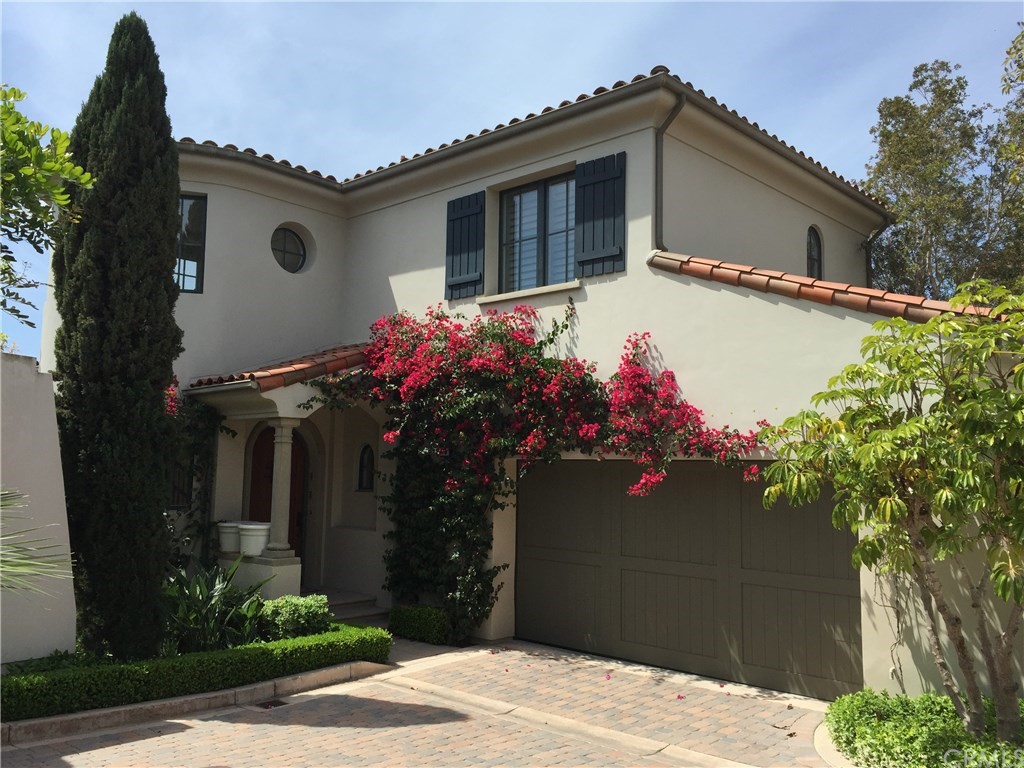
{"x":342,"y":87}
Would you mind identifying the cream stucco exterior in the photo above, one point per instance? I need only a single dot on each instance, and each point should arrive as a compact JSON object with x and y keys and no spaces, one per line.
{"x":34,"y":624}
{"x":698,"y":181}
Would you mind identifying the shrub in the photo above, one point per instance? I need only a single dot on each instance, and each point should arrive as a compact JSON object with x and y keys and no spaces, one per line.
{"x":877,"y":730}
{"x":206,"y":612}
{"x":62,"y":691}
{"x":420,"y":622}
{"x":294,"y":616}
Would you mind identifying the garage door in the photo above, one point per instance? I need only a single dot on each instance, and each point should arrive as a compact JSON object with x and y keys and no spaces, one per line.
{"x":696,"y":577}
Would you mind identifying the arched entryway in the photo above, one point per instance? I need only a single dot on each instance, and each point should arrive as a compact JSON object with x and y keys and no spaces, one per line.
{"x":261,"y":485}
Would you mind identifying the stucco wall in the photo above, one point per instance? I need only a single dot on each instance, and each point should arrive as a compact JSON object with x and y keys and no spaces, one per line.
{"x":353,"y":526}
{"x":251,"y":310}
{"x":32,"y":624}
{"x":894,"y":631}
{"x":743,"y":203}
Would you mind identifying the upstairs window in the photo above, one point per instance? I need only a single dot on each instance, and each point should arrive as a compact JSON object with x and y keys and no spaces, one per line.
{"x":188,"y":270}
{"x":538,"y":234}
{"x":814,"y":253}
{"x":552,"y":231}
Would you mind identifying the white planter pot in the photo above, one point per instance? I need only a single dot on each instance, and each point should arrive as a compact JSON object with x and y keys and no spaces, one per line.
{"x":227,"y":535}
{"x":253,"y":537}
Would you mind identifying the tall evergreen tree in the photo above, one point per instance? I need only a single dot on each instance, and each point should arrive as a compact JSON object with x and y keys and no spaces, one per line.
{"x":113,"y":279}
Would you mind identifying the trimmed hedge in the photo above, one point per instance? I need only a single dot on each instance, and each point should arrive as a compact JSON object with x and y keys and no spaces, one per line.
{"x":294,"y":616}
{"x":76,"y":689}
{"x":877,"y":730}
{"x":420,"y":622}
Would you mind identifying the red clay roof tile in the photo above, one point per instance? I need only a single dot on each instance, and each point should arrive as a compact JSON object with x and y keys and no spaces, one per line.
{"x":857,"y":298}
{"x":287,"y":372}
{"x":657,"y":71}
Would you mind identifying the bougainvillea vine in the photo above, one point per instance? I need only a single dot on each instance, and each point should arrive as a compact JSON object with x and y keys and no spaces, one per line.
{"x":463,"y":397}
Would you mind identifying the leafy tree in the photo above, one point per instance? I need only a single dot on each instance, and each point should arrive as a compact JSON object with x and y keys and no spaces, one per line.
{"x":34,"y":177}
{"x":922,"y":444}
{"x":115,"y":348}
{"x":1013,"y":84}
{"x":947,"y":176}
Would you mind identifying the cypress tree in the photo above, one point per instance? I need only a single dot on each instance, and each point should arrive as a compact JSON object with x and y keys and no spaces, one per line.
{"x":113,"y":282}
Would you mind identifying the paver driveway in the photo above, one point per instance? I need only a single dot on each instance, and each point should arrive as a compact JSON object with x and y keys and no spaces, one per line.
{"x":517,"y":704}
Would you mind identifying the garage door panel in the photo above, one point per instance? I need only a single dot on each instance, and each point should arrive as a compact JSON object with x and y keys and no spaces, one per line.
{"x":568,"y":497}
{"x":666,"y":525}
{"x":800,"y":634}
{"x":564,"y":606}
{"x":659,"y":610}
{"x":794,"y":540}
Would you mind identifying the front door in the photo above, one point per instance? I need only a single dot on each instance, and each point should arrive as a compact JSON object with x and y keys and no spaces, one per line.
{"x":261,"y":485}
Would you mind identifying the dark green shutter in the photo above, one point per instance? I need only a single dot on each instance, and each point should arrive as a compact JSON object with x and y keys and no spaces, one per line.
{"x":601,"y":216}
{"x":464,"y":255}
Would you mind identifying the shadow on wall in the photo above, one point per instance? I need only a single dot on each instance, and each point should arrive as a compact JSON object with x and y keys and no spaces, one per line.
{"x":894,"y":620}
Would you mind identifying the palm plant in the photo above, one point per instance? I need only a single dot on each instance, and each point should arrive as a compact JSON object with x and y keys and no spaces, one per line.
{"x":24,"y":557}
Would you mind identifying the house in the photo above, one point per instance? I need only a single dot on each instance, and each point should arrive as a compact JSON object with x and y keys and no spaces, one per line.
{"x":659,"y":210}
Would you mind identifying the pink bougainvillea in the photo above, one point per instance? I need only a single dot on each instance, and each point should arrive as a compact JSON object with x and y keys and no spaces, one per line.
{"x":462,"y":396}
{"x":651,"y":422}
{"x":172,"y":397}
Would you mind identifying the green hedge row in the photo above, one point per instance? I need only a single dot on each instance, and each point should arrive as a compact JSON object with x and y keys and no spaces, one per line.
{"x":420,"y":622}
{"x":76,"y":689}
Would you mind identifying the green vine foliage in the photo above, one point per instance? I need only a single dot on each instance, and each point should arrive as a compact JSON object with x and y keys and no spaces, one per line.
{"x":462,"y":398}
{"x":188,"y":519}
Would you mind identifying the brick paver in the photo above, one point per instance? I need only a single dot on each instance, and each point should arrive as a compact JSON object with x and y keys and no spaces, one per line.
{"x":551,"y":698}
{"x":734,"y":722}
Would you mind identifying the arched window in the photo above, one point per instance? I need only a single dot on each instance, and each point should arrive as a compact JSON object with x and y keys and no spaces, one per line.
{"x":814,"y":255}
{"x":364,"y":482}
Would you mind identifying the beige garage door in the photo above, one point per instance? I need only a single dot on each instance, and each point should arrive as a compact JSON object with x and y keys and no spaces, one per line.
{"x":696,"y":577}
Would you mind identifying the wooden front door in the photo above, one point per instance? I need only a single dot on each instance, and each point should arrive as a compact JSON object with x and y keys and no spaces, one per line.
{"x":261,"y":485}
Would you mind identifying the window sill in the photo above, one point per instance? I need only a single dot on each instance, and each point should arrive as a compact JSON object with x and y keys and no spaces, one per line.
{"x":544,"y":289}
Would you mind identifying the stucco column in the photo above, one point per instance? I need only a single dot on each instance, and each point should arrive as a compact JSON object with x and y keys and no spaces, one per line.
{"x":280,"y":501}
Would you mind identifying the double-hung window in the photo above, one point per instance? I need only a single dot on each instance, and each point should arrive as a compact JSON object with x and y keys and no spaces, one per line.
{"x":188,"y":271}
{"x":549,"y":232}
{"x":538,"y":234}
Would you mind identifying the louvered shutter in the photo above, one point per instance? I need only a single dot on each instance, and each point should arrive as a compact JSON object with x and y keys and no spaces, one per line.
{"x":464,"y":254}
{"x":601,"y":216}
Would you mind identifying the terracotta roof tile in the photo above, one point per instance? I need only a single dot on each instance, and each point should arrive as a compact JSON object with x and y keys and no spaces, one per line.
{"x":657,"y":71}
{"x":754,"y":280}
{"x":857,"y":298}
{"x":287,"y":372}
{"x":817,"y":293}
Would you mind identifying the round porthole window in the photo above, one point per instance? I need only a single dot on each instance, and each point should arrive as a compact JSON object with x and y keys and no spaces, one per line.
{"x":288,"y":248}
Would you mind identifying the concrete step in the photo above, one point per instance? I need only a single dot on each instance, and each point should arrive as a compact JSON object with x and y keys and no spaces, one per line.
{"x":354,"y":607}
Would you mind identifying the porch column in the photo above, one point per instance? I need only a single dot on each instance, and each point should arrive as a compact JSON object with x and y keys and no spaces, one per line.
{"x":280,"y":501}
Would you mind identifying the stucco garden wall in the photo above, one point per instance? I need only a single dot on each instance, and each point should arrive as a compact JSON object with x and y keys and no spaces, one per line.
{"x":33,"y":624}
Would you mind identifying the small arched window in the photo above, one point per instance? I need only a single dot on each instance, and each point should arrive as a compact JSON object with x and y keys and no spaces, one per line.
{"x":364,"y":481}
{"x":814,"y":255}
